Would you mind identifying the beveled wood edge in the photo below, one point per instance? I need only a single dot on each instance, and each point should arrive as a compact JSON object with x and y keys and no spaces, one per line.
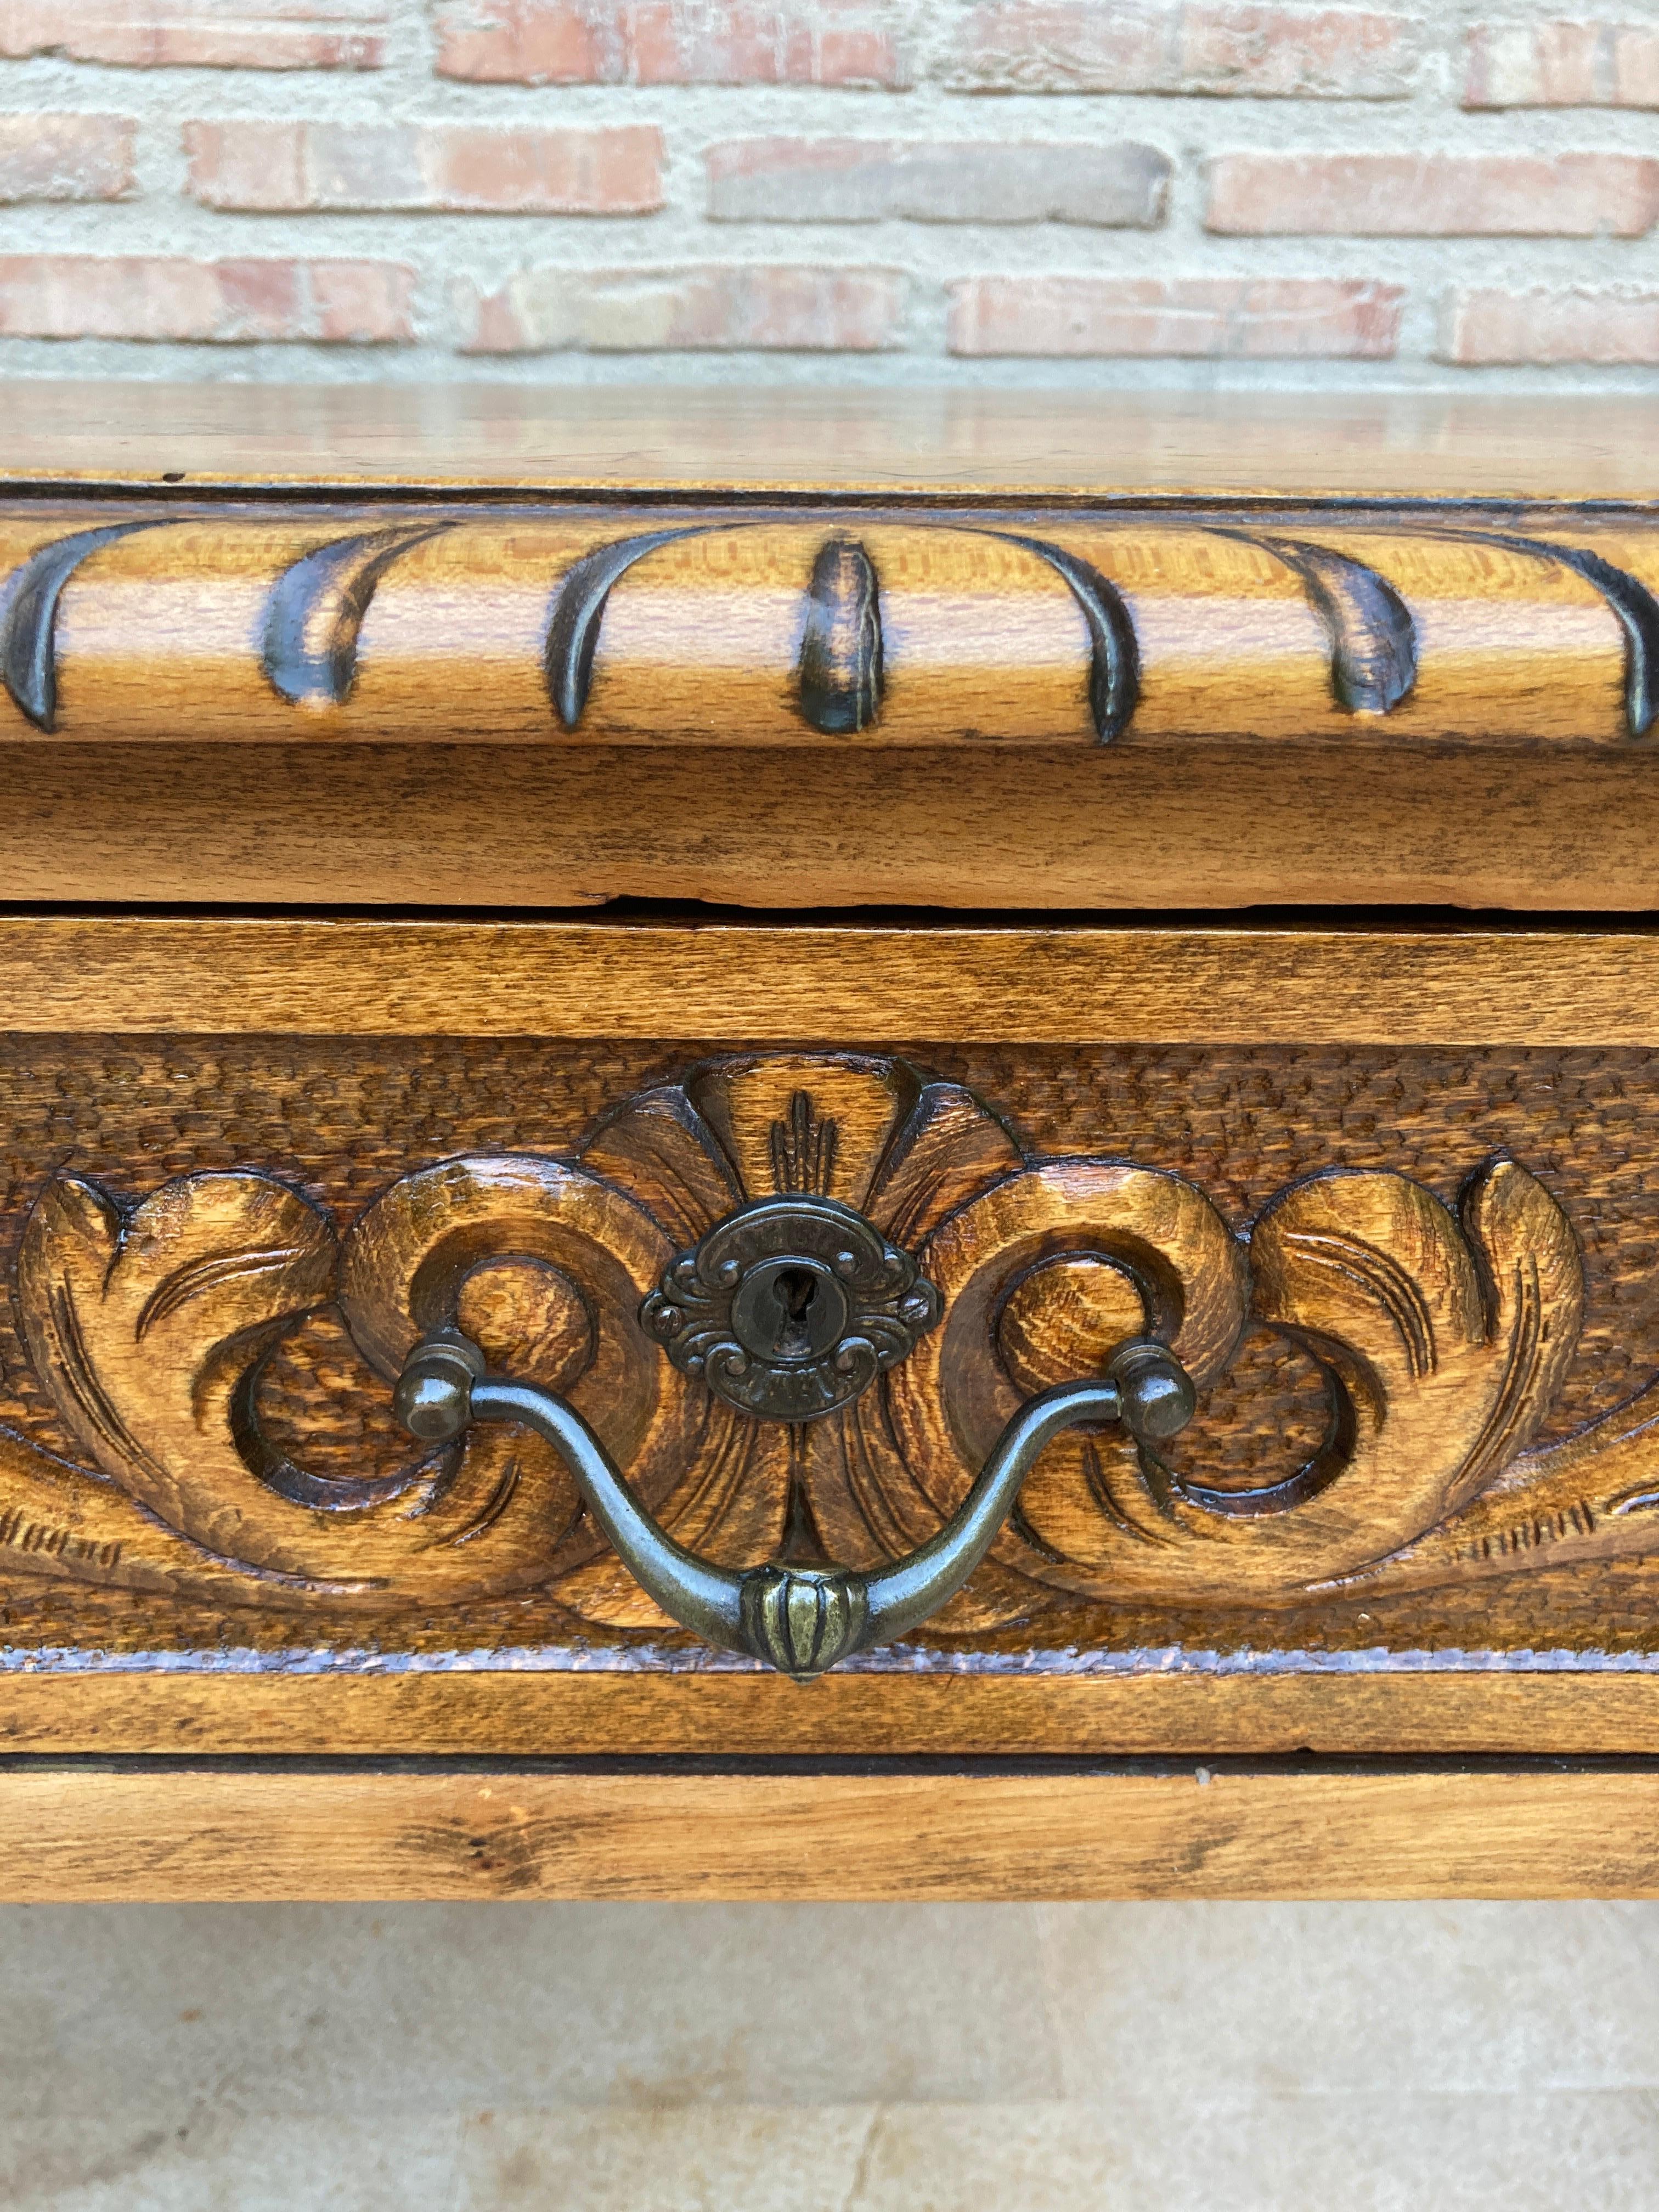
{"x":1084,"y":440}
{"x":74,"y":1834}
{"x":828,"y":984}
{"x":516,"y":1713}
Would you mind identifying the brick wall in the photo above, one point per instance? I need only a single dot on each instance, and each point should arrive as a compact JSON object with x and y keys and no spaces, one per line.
{"x":1167,"y":190}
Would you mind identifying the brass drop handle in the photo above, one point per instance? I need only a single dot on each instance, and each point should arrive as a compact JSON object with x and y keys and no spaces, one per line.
{"x":800,"y":1620}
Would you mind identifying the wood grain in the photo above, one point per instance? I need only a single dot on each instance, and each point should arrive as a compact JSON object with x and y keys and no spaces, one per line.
{"x":1066,"y":444}
{"x":519,"y":1713}
{"x":1208,"y":826}
{"x":76,"y":1835}
{"x":832,"y":983}
{"x":698,"y":625}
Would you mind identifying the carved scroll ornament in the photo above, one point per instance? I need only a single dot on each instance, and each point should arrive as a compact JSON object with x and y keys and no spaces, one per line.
{"x":1443,"y":1338}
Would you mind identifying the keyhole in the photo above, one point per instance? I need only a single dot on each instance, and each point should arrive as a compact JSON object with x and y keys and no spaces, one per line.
{"x":795,"y":1290}
{"x":788,"y":1311}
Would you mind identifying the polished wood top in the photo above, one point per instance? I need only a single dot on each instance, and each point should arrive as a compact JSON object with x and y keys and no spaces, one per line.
{"x":1094,"y":443}
{"x":487,"y":564}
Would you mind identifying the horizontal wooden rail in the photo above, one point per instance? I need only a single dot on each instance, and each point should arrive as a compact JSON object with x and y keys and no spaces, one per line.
{"x":72,"y":1834}
{"x":512,"y":1712}
{"x":838,"y":984}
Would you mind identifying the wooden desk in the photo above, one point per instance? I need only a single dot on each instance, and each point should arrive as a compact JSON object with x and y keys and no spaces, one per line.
{"x":324,"y":713}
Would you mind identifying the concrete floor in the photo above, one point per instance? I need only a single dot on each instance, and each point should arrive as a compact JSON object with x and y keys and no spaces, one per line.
{"x":1133,"y":2058}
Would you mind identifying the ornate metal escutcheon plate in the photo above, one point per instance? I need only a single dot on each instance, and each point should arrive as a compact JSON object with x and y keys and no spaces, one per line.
{"x":791,"y":1307}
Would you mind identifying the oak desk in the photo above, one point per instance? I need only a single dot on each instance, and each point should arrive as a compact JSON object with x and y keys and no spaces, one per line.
{"x":652,"y":1041}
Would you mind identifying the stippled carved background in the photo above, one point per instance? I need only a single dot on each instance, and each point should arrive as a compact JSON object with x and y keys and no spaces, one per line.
{"x":342,"y":1118}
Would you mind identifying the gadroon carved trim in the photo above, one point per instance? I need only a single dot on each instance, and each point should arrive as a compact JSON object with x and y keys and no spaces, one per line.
{"x":316,"y":611}
{"x":28,"y":618}
{"x":1443,"y":1337}
{"x":904,"y":626}
{"x":839,"y":671}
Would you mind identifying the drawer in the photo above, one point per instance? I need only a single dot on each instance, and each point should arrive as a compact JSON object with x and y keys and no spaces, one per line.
{"x":1389,"y":1199}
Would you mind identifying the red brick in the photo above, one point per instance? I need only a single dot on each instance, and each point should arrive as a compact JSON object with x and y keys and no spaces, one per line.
{"x":465,"y":167}
{"x":1269,"y":53}
{"x":230,"y":302}
{"x":1250,"y":317}
{"x":65,"y":157}
{"x":1577,"y":62}
{"x":733,"y":308}
{"x":823,"y":42}
{"x":277,"y":34}
{"x":1434,"y":195}
{"x":1612,"y":328}
{"x":867,"y":179}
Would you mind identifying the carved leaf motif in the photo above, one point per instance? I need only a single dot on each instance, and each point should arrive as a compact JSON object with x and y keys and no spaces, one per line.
{"x":122,"y":1317}
{"x":663,"y":1154}
{"x":148,"y":1331}
{"x":126,"y":1319}
{"x":1449,"y":1340}
{"x":948,"y":1150}
{"x":906,"y":1152}
{"x":411,"y":1261}
{"x":1446,"y":1340}
{"x":851,"y":1107}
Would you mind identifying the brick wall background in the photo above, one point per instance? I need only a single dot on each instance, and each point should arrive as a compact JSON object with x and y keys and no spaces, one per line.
{"x":1183,"y":191}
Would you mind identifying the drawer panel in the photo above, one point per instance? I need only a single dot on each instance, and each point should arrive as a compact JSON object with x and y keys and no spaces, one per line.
{"x":1392,"y":1199}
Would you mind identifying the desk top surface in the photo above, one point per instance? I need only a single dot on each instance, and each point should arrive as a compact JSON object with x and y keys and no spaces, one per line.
{"x":1073,"y":443}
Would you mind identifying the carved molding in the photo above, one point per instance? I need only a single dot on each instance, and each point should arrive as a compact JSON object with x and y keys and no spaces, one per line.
{"x":1443,"y":1339}
{"x":734,"y":625}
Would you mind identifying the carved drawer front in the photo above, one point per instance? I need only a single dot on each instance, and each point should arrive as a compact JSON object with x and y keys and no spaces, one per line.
{"x":1334,"y":1261}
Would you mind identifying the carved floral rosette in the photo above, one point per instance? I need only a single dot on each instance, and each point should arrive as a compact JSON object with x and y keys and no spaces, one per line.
{"x":1443,"y":1338}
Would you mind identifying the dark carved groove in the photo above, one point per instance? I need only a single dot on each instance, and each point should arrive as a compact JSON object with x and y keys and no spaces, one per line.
{"x":1373,"y":637}
{"x":1639,"y":616}
{"x":1634,"y":604}
{"x":28,"y":619}
{"x":578,"y":610}
{"x":1113,"y":651}
{"x":322,"y":1493}
{"x":840,"y":669}
{"x":1296,"y":1488}
{"x":316,"y":611}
